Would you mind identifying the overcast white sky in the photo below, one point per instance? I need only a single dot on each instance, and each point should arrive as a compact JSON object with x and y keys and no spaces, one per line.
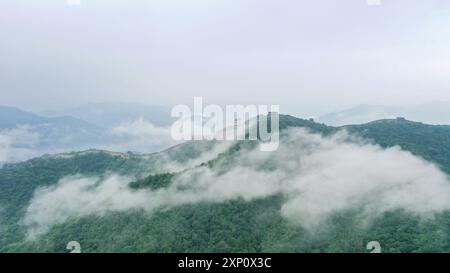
{"x":311,"y":57}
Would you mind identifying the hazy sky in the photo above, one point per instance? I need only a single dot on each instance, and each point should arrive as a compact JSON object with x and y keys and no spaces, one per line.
{"x":310,"y":57}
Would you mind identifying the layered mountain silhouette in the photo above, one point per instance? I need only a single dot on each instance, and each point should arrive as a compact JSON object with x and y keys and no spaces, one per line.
{"x":431,"y":113}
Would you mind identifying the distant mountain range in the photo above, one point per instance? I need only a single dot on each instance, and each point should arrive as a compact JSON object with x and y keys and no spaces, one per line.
{"x":24,"y":135}
{"x":109,"y":115}
{"x":11,"y":117}
{"x":431,"y":113}
{"x":118,"y":127}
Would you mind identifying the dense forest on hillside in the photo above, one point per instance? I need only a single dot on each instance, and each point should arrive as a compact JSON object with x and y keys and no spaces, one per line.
{"x":230,"y":226}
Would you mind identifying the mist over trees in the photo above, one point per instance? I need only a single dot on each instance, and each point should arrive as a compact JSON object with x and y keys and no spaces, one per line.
{"x":242,"y":220}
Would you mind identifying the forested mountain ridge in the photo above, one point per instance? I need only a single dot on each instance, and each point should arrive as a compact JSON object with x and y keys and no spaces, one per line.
{"x":431,"y":142}
{"x":233,"y":225}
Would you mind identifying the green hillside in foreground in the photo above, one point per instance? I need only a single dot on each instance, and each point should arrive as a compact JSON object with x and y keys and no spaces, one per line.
{"x":230,"y":226}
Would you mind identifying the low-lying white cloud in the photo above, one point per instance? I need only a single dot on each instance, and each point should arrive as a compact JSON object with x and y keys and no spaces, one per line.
{"x":18,"y":144}
{"x":206,"y":152}
{"x":318,"y":176}
{"x":141,"y":136}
